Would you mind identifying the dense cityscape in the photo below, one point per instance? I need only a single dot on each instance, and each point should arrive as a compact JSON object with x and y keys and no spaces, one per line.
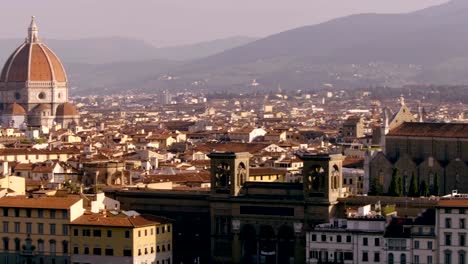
{"x":368,"y":174}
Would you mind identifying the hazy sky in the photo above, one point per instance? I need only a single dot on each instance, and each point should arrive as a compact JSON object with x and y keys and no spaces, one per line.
{"x":175,"y":22}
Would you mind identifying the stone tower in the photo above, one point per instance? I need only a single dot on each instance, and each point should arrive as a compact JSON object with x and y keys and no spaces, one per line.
{"x":322,"y":181}
{"x":229,"y":172}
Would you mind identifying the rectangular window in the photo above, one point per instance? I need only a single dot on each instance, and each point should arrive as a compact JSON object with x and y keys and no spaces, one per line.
{"x":416,"y":244}
{"x":448,"y":223}
{"x":86,"y":232}
{"x":377,"y":241}
{"x":109,"y":252}
{"x":324,"y":238}
{"x":5,"y":211}
{"x":462,"y":239}
{"x":139,"y":233}
{"x":429,"y":259}
{"x":97,"y":233}
{"x":5,"y":227}
{"x":429,"y":244}
{"x":168,"y":228}
{"x":127,"y":234}
{"x":97,"y":251}
{"x":314,"y":237}
{"x":416,"y":259}
{"x":364,"y":241}
{"x":52,"y":229}
{"x":348,"y":239}
{"x":127,"y":252}
{"x":65,"y":230}
{"x":151,"y":231}
{"x":146,"y":232}
{"x":17,"y":227}
{"x":109,"y":233}
{"x":348,"y":255}
{"x":338,"y":238}
{"x":40,"y":213}
{"x":6,"y":243}
{"x":376,"y":257}
{"x":448,"y":210}
{"x":17,"y":212}
{"x":462,"y":223}
{"x":448,"y":239}
{"x":76,"y":250}
{"x":75,"y":232}
{"x":40,"y":228}
{"x":52,"y":214}
{"x":461,"y":257}
{"x":461,"y":211}
{"x":28,"y":212}
{"x":64,"y":214}
{"x":157,"y":230}
{"x":28,"y":228}
{"x":365,"y":257}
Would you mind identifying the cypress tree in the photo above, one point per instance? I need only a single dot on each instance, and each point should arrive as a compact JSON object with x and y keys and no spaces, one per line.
{"x":396,"y":185}
{"x":435,"y":190}
{"x":413,"y":188}
{"x":424,"y":189}
{"x":376,"y":188}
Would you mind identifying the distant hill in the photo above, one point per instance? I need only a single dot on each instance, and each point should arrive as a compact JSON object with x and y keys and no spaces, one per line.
{"x":430,"y":45}
{"x":118,"y":49}
{"x":426,"y":46}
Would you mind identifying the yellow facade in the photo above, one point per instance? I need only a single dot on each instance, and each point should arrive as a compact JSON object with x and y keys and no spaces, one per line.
{"x":106,"y":238}
{"x":45,"y":224}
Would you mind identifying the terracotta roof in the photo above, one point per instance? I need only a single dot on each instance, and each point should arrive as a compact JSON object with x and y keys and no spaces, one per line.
{"x":120,"y":220}
{"x":42,"y":202}
{"x":33,"y":62}
{"x":453,"y":203}
{"x":447,"y":130}
{"x":67,"y":109}
{"x":15,"y":109}
{"x":266,"y":171}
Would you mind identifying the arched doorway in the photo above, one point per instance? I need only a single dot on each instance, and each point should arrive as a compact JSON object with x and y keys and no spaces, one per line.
{"x":267,"y":245}
{"x":248,"y":239}
{"x":286,"y":245}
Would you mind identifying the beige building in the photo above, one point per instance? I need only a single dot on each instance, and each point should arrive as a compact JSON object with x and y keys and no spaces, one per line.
{"x":37,"y":228}
{"x":121,"y":237}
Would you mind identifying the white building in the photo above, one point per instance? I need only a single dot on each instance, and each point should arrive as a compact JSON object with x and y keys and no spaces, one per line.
{"x":452,"y":229}
{"x":357,"y":239}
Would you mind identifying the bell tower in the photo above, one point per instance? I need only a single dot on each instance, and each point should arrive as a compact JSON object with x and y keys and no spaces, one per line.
{"x":229,"y":172}
{"x":322,"y":186}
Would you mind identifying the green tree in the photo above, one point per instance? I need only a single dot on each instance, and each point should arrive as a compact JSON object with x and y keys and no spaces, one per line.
{"x":376,"y":188}
{"x":424,"y":189}
{"x":396,"y":185}
{"x":435,"y":188}
{"x":413,"y":188}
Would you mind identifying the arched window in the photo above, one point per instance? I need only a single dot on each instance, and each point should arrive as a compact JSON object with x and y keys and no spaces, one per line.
{"x":390,"y":259}
{"x":403,"y":258}
{"x":40,"y":245}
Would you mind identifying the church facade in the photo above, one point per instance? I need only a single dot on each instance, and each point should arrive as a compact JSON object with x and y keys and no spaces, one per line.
{"x":34,"y":87}
{"x":434,"y":153}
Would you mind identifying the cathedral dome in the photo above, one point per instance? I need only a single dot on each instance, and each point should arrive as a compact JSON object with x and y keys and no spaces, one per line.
{"x":33,"y":61}
{"x":67,"y":109}
{"x":15,"y":109}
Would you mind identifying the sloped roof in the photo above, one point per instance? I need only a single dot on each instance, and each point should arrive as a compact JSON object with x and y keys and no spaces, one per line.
{"x":445,"y":130}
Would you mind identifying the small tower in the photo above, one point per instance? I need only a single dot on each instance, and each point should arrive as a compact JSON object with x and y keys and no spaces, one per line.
{"x":229,"y":172}
{"x":322,"y":177}
{"x":322,"y":181}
